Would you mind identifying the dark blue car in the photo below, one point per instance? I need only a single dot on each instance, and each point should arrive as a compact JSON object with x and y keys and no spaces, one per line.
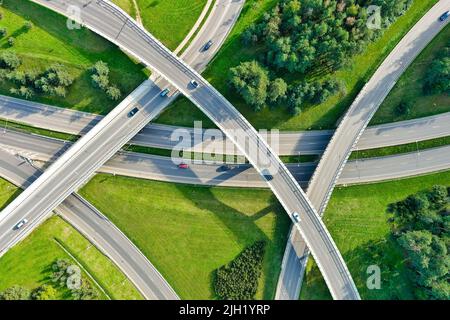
{"x":444,"y":16}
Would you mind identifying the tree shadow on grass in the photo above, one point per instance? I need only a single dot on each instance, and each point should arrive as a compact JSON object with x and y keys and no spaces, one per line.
{"x":246,"y":231}
{"x":11,"y":198}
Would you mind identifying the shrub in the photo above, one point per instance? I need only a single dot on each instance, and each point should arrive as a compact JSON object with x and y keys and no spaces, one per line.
{"x":11,"y":41}
{"x":403,"y":108}
{"x":28,"y":25}
{"x":3,"y":32}
{"x":113,"y":93}
{"x":9,"y":59}
{"x":15,"y":293}
{"x":239,"y":279}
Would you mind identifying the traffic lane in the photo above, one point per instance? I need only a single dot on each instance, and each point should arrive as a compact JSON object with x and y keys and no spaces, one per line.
{"x":159,"y":136}
{"x":98,"y":229}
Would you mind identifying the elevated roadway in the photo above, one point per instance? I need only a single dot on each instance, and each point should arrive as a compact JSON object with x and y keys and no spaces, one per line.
{"x":348,"y":133}
{"x":77,"y":164}
{"x":159,"y":136}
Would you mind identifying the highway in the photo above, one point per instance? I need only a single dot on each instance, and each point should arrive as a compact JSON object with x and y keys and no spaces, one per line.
{"x":91,"y":151}
{"x":39,"y":150}
{"x":351,"y":129}
{"x":98,"y":230}
{"x":159,"y":136}
{"x":219,"y":23}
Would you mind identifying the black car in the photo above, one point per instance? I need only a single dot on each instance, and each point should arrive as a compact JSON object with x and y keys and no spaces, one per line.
{"x":194,"y":84}
{"x":445,"y":16}
{"x":208,"y":45}
{"x":224,"y":168}
{"x":133,"y":112}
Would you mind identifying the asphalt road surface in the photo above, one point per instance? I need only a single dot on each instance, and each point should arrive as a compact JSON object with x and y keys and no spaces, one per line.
{"x":77,"y":164}
{"x":221,"y":19}
{"x":159,"y":136}
{"x":97,"y":229}
{"x":350,"y":130}
{"x":38,"y":150}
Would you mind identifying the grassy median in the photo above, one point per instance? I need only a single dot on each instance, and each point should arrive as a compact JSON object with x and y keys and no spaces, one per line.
{"x":358,"y":222}
{"x":189,"y":231}
{"x":28,"y":264}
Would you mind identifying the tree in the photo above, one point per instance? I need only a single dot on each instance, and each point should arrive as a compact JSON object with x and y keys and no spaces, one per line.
{"x":251,"y":80}
{"x":3,"y":32}
{"x":438,"y":197}
{"x":277,"y":90}
{"x":44,"y":292}
{"x":239,"y":279}
{"x":28,"y":25}
{"x":9,"y":59}
{"x":100,"y":68}
{"x":403,"y":108}
{"x":15,"y":293}
{"x":113,"y":93}
{"x":437,"y":78}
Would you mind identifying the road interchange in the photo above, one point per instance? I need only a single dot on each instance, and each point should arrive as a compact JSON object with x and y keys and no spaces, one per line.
{"x":334,"y":293}
{"x":159,"y":136}
{"x":77,"y":164}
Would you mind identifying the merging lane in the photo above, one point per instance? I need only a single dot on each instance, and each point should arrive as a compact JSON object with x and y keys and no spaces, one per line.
{"x":86,"y":218}
{"x":349,"y":132}
{"x":159,"y":136}
{"x":77,"y":164}
{"x":97,"y":229}
{"x":38,"y":149}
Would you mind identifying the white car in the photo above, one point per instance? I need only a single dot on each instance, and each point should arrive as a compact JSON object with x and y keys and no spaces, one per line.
{"x":20,"y":224}
{"x":296,"y":217}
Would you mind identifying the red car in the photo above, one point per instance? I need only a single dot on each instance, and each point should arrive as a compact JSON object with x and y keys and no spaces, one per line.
{"x":183,"y":166}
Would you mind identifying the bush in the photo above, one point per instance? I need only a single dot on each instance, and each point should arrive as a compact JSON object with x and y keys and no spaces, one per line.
{"x":11,"y":41}
{"x":403,"y":108}
{"x":28,"y":25}
{"x":9,"y":59}
{"x":113,"y":93}
{"x":3,"y":32}
{"x":44,"y":292}
{"x":15,"y":293}
{"x":422,"y":225}
{"x":437,"y":78}
{"x":239,"y":279}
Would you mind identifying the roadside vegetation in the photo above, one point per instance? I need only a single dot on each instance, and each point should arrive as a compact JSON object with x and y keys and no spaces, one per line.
{"x":404,"y":148}
{"x":359,"y":222}
{"x":238,"y":280}
{"x":421,"y":226}
{"x":324,"y":115}
{"x":51,"y":64}
{"x":28,"y":270}
{"x":424,"y":89}
{"x":188,"y":232}
{"x":170,"y":20}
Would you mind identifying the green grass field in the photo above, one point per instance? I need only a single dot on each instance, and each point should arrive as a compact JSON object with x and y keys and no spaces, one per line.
{"x":170,"y":20}
{"x":188,"y":232}
{"x":127,"y":6}
{"x":50,"y":41}
{"x":29,"y":263}
{"x":357,"y":220}
{"x":323,"y":116}
{"x":410,"y":87}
